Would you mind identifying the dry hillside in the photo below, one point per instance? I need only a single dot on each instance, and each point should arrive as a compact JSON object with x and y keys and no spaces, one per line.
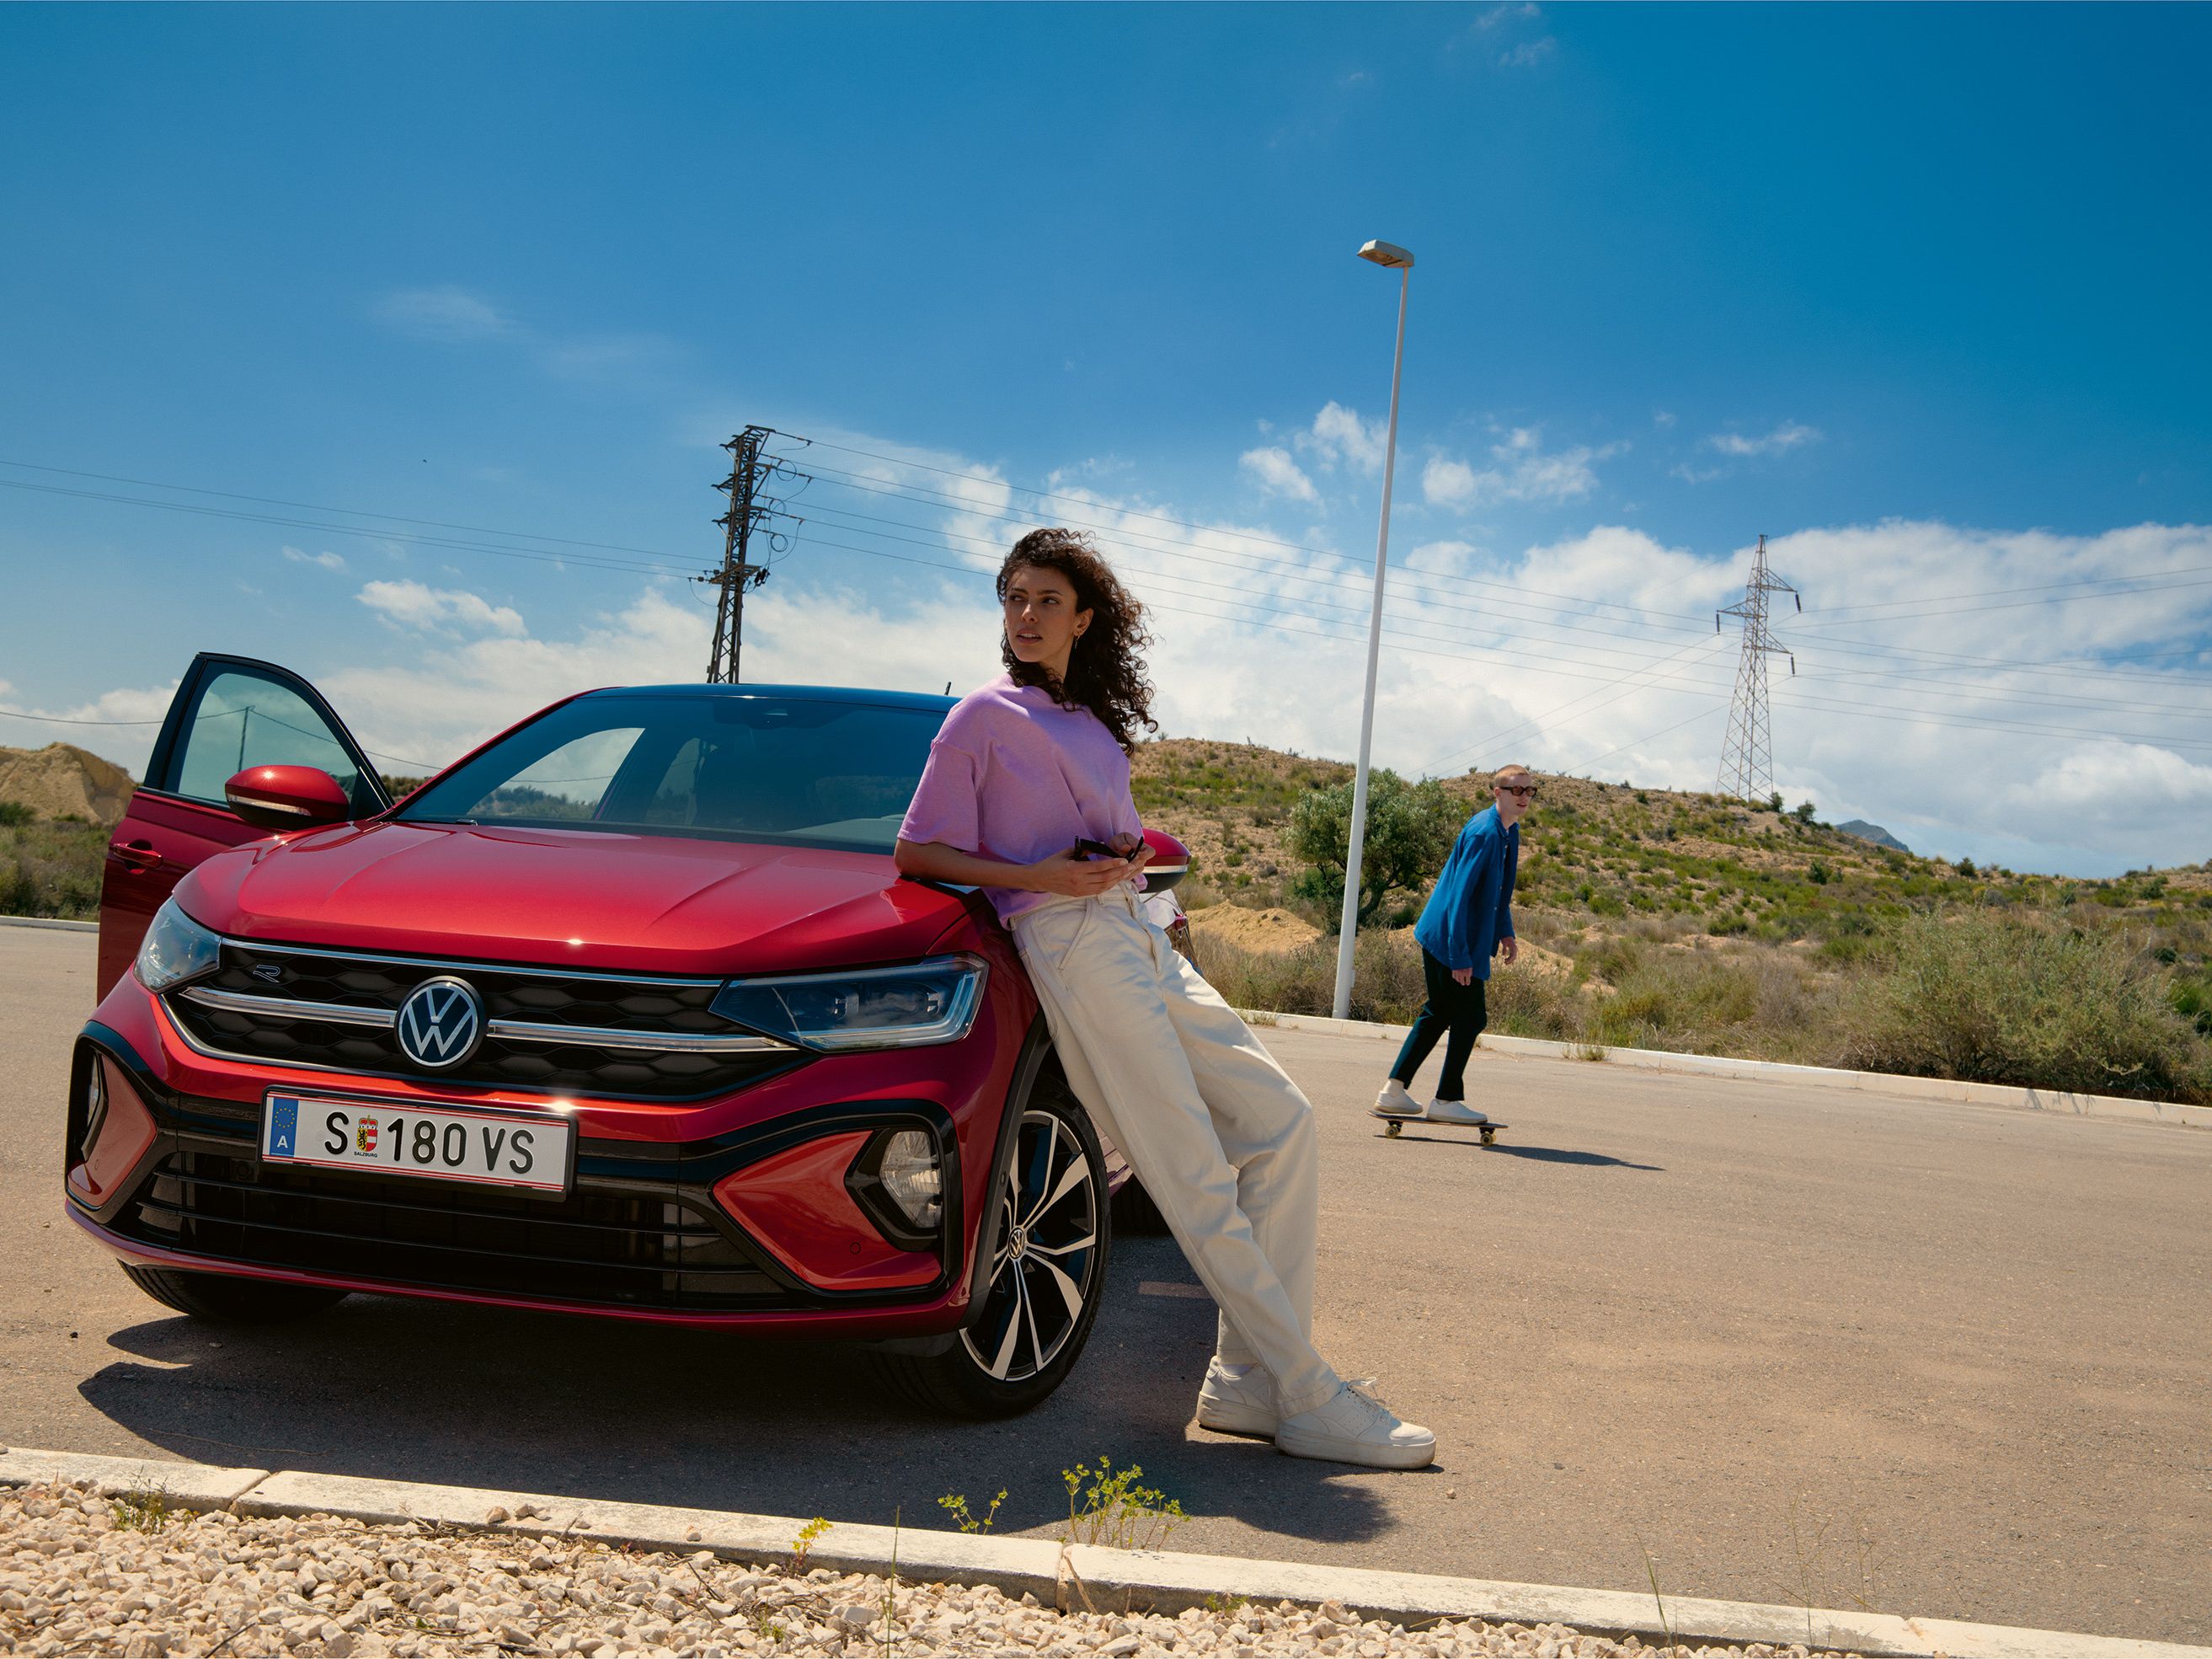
{"x":63,"y":782}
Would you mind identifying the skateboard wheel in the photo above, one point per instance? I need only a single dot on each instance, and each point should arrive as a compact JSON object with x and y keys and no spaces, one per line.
{"x":1393,"y":1129}
{"x":1489,"y":1136}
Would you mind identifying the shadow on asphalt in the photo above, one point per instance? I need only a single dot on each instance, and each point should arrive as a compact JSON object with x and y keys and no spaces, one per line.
{"x":398,"y":1389}
{"x":1537,"y":1154}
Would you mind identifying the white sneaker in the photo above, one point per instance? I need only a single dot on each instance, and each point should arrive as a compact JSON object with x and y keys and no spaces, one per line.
{"x":1241,"y":1402}
{"x":1396,"y":1102}
{"x":1454,"y":1111}
{"x":1355,"y":1427}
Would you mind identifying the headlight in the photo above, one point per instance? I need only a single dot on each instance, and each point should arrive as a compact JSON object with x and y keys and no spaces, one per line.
{"x":176,"y":948}
{"x":929,"y":1002}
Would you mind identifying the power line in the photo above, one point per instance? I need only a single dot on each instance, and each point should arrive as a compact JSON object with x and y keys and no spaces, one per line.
{"x":315,"y":507}
{"x":57,"y":719}
{"x":413,"y":539}
{"x":1910,"y":659}
{"x":1498,"y":739}
{"x":1584,"y":767}
{"x":1114,"y":535}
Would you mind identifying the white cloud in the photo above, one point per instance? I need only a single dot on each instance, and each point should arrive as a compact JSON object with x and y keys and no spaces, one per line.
{"x":1788,"y":436}
{"x":1273,"y":470}
{"x":1507,"y":13}
{"x":1965,"y":724}
{"x":1338,"y":434}
{"x":119,"y":725}
{"x":602,"y":357}
{"x":327,"y":561}
{"x":412,"y":605}
{"x":1521,"y":470}
{"x":1662,"y":418}
{"x":1528,"y":53}
{"x":446,"y":313}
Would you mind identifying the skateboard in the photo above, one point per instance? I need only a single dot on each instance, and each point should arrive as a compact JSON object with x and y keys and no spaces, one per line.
{"x":1394,"y":1127}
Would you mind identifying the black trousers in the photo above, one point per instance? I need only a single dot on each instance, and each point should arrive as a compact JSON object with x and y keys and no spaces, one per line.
{"x":1454,"y":1008}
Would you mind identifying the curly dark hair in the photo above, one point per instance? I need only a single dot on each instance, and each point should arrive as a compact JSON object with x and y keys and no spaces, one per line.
{"x":1105,"y":671}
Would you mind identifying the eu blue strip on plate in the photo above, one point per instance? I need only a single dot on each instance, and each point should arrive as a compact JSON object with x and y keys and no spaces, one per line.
{"x":284,"y":1126}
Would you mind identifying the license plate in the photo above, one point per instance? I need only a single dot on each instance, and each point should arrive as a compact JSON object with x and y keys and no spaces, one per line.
{"x":500,"y":1148}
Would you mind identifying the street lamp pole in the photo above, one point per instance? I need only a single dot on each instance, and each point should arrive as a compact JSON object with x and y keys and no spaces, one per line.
{"x":1390,"y":256}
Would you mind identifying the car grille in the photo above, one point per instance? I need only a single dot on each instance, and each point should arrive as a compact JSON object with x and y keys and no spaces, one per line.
{"x":635,"y":1038}
{"x":598,"y":1246}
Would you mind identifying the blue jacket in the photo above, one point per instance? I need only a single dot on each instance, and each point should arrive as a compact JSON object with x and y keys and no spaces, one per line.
{"x":1471,"y":908}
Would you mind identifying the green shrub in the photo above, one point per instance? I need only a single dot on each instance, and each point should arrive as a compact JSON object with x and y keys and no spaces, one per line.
{"x":1409,"y":831}
{"x":2192,"y":1001}
{"x":1386,"y":967}
{"x":2006,"y":998}
{"x":51,"y":869}
{"x":14,"y":813}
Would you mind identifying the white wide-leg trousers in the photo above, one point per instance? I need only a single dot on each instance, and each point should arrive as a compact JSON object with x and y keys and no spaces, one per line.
{"x":1221,"y":1138}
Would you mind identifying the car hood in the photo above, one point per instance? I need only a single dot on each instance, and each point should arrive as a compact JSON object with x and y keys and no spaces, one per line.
{"x":586,"y":899}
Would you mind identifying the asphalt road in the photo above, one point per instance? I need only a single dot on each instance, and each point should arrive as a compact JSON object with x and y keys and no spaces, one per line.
{"x":1799,"y":1345}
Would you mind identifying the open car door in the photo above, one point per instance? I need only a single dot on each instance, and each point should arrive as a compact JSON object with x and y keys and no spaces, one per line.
{"x":230,"y":712}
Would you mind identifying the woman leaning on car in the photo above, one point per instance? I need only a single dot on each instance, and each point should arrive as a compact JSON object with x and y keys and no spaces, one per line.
{"x":1026,"y":795}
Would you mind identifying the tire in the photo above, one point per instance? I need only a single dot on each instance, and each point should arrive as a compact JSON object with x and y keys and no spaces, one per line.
{"x":1054,"y":1233}
{"x":1135,"y":1214}
{"x":224,"y":1300}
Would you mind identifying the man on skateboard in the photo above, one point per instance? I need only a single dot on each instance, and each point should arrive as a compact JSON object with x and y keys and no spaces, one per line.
{"x":1467,"y":920}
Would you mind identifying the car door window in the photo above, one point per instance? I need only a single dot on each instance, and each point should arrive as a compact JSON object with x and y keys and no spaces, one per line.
{"x":242,"y":719}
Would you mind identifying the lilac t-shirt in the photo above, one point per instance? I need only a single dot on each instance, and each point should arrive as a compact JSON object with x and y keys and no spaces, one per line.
{"x":1014,"y":776}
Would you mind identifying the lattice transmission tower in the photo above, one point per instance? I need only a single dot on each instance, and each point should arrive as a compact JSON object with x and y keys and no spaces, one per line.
{"x":1747,"y":756}
{"x":749,"y":526}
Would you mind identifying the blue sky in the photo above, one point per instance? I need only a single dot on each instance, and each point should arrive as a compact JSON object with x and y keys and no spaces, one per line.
{"x":1914,"y":291}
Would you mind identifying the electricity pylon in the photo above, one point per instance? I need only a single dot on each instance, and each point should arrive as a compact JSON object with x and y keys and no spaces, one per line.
{"x":1747,"y":756}
{"x":750,"y":509}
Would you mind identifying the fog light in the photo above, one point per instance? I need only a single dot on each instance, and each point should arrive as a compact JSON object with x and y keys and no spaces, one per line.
{"x":95,"y":1106}
{"x":910,"y":1175}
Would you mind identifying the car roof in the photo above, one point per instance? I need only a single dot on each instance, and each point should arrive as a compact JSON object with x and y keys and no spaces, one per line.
{"x":915,"y":700}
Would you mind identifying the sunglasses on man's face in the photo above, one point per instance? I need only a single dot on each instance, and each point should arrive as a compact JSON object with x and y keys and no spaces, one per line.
{"x":1524,"y":790}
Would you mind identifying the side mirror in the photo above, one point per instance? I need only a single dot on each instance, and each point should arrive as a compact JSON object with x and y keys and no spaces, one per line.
{"x":287,"y":797}
{"x":1171,"y":861}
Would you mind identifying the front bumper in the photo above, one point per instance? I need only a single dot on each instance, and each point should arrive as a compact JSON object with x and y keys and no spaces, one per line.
{"x":642,"y":1234}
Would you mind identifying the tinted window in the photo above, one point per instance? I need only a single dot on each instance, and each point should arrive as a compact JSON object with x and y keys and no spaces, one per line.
{"x":752,"y":768}
{"x":241,"y":720}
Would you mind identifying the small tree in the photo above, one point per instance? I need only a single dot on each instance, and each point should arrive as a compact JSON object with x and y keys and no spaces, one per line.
{"x":1805,"y":812}
{"x":1774,"y":802}
{"x":1410,"y":827}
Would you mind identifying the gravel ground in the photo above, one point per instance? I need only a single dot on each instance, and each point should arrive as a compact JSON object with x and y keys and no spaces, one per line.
{"x":81,"y":1574}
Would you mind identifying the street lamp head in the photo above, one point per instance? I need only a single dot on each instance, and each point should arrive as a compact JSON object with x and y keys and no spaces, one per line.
{"x":1387,"y":253}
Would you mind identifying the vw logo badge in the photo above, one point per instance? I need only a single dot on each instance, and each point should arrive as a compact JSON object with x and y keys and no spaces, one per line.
{"x":440,"y":1024}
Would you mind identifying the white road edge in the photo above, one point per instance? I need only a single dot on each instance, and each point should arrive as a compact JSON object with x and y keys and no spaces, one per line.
{"x":1823,"y":1077}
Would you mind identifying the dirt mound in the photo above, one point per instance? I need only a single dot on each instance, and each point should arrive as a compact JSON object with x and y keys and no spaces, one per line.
{"x":1253,"y":930}
{"x":63,"y":780}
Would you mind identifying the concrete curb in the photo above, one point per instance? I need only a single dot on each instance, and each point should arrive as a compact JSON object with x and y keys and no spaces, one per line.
{"x":1068,"y":1576}
{"x":1884,"y":1082}
{"x":50,"y":921}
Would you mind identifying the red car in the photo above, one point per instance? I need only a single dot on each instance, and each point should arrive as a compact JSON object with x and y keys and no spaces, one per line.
{"x":625,"y":1013}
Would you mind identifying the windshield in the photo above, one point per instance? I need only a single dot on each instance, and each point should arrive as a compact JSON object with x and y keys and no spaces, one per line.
{"x":772,"y":769}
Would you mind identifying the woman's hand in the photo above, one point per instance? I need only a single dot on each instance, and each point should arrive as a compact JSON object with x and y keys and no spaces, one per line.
{"x":1133,"y":847}
{"x":1076,"y":875}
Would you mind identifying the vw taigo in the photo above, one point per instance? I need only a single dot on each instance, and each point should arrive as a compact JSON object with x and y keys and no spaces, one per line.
{"x":626,"y":1013}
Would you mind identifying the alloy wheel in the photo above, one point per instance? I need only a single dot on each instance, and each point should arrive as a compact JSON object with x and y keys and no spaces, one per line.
{"x":1042,"y":1277}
